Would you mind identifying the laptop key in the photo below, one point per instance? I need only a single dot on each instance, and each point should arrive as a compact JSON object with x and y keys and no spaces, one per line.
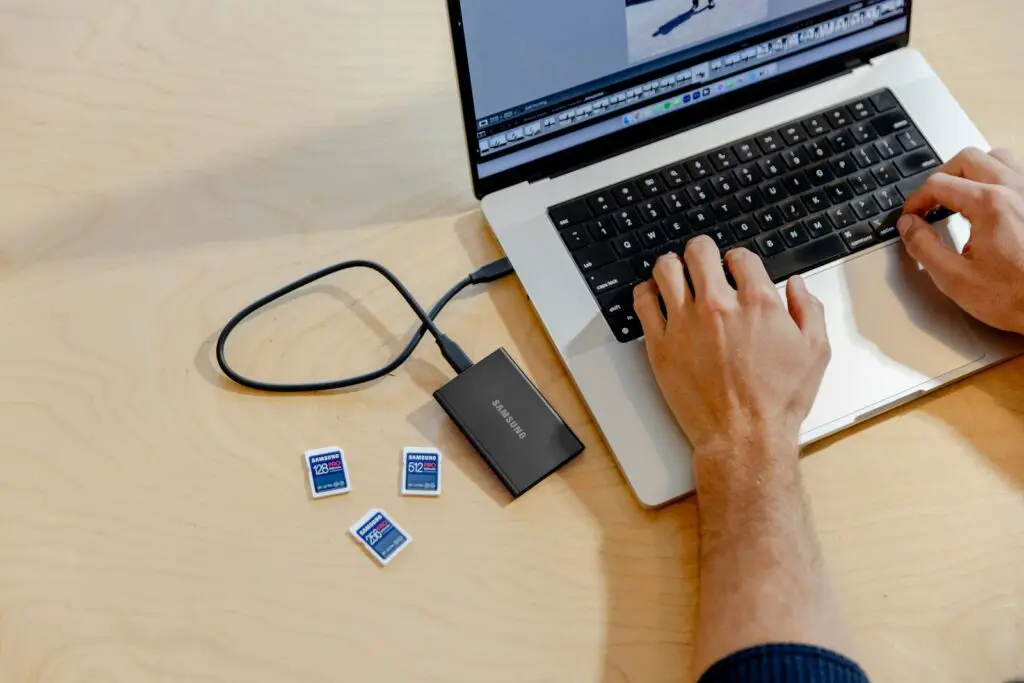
{"x":841,"y":216}
{"x":749,"y":174}
{"x":651,"y":211}
{"x":792,"y":210}
{"x":611,"y":277}
{"x":805,"y":257}
{"x":626,"y":245}
{"x":865,"y":208}
{"x":723,"y":237}
{"x":745,"y":228}
{"x":626,"y":194}
{"x":817,"y":151}
{"x":840,"y":141}
{"x":910,"y":140}
{"x":772,"y":166}
{"x":861,"y":110}
{"x":862,"y":183}
{"x":774,"y":191}
{"x":793,"y":134}
{"x":797,"y":182}
{"x":770,"y":143}
{"x":818,"y":226}
{"x":675,"y":176}
{"x":618,"y":310}
{"x":747,"y":150}
{"x":572,"y":213}
{"x":888,"y":198}
{"x":576,"y":237}
{"x":891,"y":122}
{"x":726,"y":209}
{"x":884,"y":101}
{"x":794,"y":235}
{"x":652,"y":236}
{"x":884,"y":226}
{"x":866,"y":156}
{"x":838,"y":192}
{"x":749,"y":200}
{"x":643,"y":265}
{"x":821,"y":174}
{"x":602,"y":229}
{"x":858,"y":237}
{"x":626,"y":219}
{"x":675,"y":202}
{"x":699,"y":193}
{"x":817,"y":125}
{"x":652,"y":185}
{"x":594,"y":256}
{"x":769,"y":219}
{"x":698,"y":168}
{"x":839,"y":117}
{"x":700,"y":219}
{"x":724,"y":183}
{"x":863,"y":132}
{"x":724,"y":159}
{"x":816,"y":201}
{"x":844,"y":165}
{"x":602,"y":203}
{"x":770,"y":244}
{"x":886,"y":174}
{"x":676,"y":227}
{"x":916,"y":162}
{"x":888,"y":148}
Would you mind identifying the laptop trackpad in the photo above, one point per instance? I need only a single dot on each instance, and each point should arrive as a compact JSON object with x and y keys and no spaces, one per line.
{"x":891,"y":330}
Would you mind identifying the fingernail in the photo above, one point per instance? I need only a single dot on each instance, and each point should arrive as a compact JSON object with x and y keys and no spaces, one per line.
{"x":904,"y":224}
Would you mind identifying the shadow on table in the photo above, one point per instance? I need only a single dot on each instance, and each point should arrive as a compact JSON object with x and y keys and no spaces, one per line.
{"x":378,"y":171}
{"x":649,"y":558}
{"x":999,"y":437}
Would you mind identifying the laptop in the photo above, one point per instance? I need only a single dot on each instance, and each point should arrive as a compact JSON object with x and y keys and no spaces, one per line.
{"x":603,"y":133}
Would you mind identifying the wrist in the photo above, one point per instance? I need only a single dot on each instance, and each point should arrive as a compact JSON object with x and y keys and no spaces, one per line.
{"x":746,"y":464}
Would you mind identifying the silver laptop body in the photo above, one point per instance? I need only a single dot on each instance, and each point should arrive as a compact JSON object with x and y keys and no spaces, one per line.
{"x":894,"y":336}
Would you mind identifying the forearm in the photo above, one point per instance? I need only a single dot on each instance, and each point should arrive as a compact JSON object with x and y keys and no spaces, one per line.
{"x":762,"y":576}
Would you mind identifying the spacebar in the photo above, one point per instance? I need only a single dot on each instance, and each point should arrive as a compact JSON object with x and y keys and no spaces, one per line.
{"x":805,"y":257}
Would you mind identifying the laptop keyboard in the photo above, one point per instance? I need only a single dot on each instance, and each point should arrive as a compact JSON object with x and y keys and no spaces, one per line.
{"x":801,"y":196}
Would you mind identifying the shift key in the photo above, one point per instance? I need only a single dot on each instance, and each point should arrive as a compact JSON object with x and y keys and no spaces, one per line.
{"x":614,"y":276}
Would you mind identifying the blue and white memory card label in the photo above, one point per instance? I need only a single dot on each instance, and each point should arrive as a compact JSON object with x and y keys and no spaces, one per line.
{"x":379,"y":534}
{"x":421,"y":472}
{"x":328,"y":473}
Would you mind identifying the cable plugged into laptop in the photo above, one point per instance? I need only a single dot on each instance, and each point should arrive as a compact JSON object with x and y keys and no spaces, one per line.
{"x":495,"y":405}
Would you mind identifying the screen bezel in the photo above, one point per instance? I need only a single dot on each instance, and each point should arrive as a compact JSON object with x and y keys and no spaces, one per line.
{"x":630,"y":138}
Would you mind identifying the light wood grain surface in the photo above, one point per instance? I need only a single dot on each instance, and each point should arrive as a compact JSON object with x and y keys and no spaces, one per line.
{"x":163,"y":162}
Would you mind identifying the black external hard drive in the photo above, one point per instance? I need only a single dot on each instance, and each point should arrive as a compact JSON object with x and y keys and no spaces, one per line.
{"x":509,"y":422}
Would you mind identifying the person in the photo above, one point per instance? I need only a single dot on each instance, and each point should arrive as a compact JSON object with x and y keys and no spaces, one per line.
{"x":696,"y":5}
{"x":740,"y":371}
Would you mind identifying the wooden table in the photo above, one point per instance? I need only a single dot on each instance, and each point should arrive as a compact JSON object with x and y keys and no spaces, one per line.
{"x":164,"y":163}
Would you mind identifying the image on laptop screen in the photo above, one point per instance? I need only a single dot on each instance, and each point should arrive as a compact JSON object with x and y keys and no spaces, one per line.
{"x":545,"y":76}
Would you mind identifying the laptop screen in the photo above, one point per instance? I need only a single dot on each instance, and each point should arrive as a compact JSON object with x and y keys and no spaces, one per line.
{"x":545,"y":76}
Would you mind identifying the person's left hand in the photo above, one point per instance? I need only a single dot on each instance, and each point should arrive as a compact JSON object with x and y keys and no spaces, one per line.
{"x":739,"y":371}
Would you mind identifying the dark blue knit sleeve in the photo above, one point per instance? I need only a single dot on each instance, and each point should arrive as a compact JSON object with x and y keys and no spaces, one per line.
{"x":785,"y":664}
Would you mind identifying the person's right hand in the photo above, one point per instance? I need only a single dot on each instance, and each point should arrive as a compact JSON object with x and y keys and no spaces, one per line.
{"x":987,"y":280}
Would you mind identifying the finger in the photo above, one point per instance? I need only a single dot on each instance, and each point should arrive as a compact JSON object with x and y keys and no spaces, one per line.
{"x":705,"y":265}
{"x":748,"y":271}
{"x":973,"y":164}
{"x":645,"y":303}
{"x":945,"y":266}
{"x":953,"y":192}
{"x":671,"y":280}
{"x":806,"y":310}
{"x":1006,"y":157}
